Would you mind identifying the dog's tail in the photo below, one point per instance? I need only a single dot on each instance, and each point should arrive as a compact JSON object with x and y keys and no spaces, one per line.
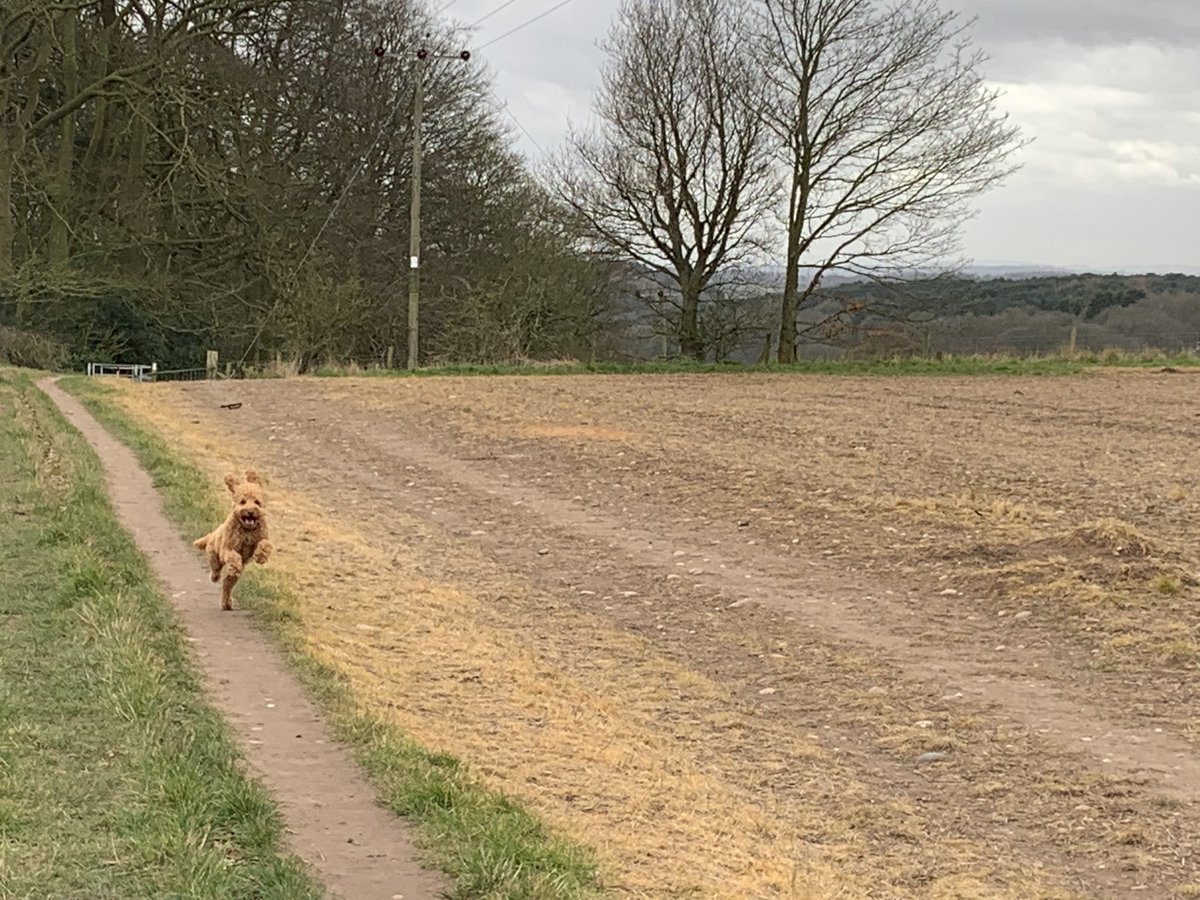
{"x":201,"y":543}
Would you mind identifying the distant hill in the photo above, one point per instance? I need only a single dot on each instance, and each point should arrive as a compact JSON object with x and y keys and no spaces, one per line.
{"x":1084,"y":296}
{"x":1016,"y":271}
{"x":989,"y":309}
{"x":1023,"y":315}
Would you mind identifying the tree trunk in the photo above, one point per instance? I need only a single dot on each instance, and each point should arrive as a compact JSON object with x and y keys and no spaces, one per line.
{"x":787,"y":324}
{"x":8,"y":231}
{"x":690,"y":344}
{"x":791,"y":300}
{"x":98,"y":144}
{"x":133,"y":214}
{"x":797,"y":213}
{"x":59,"y":239}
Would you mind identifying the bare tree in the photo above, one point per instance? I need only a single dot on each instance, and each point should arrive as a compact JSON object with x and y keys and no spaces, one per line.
{"x":676,"y":176}
{"x":885,"y":129}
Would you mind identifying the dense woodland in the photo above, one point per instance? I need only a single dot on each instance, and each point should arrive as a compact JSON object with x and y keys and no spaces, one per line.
{"x":176,"y":177}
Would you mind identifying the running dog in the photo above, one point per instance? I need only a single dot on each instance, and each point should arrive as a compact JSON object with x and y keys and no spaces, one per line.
{"x":240,"y":538}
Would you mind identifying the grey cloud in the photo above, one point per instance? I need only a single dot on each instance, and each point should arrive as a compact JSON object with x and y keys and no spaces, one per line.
{"x":1085,"y":22}
{"x":1122,"y":227}
{"x":1110,"y":90}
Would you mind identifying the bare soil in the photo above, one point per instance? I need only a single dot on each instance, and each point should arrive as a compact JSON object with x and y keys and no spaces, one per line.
{"x":355,"y":848}
{"x":766,"y":635}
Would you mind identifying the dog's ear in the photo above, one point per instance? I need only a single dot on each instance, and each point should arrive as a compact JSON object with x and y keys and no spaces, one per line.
{"x":252,"y":476}
{"x":231,"y":482}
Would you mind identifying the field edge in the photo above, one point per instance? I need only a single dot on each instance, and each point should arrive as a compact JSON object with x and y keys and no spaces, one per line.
{"x":483,"y":840}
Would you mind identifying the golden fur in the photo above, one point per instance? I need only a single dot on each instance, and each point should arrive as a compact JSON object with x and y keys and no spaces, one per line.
{"x":241,"y":537}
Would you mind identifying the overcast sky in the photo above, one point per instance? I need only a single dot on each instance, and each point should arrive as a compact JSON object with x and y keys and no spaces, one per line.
{"x":1109,"y":90}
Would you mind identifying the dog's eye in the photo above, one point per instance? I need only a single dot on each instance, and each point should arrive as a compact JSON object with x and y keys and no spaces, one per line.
{"x":258,"y":503}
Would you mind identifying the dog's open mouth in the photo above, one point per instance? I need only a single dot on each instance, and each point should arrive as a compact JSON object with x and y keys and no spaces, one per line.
{"x":249,"y":520}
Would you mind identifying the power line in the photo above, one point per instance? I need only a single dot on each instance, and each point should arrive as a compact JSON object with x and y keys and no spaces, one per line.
{"x":333,"y":211}
{"x":446,"y":7}
{"x":524,"y":25}
{"x":500,"y":8}
{"x":512,"y":115}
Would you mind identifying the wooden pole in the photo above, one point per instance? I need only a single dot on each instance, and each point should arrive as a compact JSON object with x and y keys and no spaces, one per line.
{"x":414,"y":232}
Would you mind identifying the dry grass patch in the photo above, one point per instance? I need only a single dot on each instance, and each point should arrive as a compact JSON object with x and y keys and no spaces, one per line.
{"x":1168,"y":586}
{"x":913,"y":740}
{"x":1127,"y":588}
{"x":575,"y":432}
{"x":1178,"y":651}
{"x":1114,"y":536}
{"x":970,"y":506}
{"x":609,"y":755}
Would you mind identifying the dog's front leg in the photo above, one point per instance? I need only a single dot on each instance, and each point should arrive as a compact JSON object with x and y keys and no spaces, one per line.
{"x":263,"y":551}
{"x":213,"y":558}
{"x":232,"y":560}
{"x":231,"y":578}
{"x":233,"y":569}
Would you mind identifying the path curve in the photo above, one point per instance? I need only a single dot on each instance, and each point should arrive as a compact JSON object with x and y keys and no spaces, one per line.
{"x":355,"y":848}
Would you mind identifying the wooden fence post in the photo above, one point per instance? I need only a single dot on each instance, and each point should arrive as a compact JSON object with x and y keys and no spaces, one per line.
{"x":210,"y":364}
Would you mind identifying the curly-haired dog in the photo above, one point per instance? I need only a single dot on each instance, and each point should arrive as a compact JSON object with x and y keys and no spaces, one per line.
{"x":241,"y":537}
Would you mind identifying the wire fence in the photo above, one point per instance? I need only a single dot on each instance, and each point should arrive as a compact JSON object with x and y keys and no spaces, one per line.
{"x":150,"y":372}
{"x":184,"y":375}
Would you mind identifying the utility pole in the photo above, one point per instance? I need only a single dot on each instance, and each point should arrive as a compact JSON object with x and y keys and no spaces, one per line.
{"x":414,"y":226}
{"x":414,"y":232}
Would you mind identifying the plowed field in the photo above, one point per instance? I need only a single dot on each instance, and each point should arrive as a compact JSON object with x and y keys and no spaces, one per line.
{"x":765,"y":636}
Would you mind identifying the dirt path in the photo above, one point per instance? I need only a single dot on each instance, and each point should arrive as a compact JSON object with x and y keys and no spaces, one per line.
{"x":785,"y":593}
{"x":356,"y":848}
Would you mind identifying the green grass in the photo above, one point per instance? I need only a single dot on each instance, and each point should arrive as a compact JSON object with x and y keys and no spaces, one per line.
{"x":947,"y":365}
{"x":116,"y":777}
{"x":901,"y":366}
{"x":489,"y":846}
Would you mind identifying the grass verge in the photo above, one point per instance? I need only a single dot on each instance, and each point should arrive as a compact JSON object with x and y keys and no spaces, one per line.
{"x":972,"y":365}
{"x":116,"y":777}
{"x":491,"y":847}
{"x":949,"y":364}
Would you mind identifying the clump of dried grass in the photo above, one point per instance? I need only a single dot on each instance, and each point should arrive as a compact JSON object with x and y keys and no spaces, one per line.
{"x":1114,"y":536}
{"x":963,"y":507}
